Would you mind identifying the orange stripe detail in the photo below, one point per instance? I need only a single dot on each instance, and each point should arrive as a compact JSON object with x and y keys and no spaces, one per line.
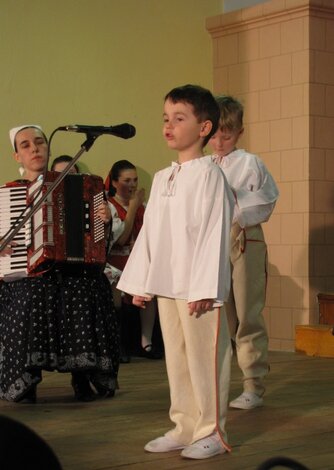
{"x":227,"y":447}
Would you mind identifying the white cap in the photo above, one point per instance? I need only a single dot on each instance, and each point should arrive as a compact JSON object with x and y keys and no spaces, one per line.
{"x":15,"y":130}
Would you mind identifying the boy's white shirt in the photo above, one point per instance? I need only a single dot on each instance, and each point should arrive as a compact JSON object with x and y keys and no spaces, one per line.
{"x":182,"y":250}
{"x":253,"y":185}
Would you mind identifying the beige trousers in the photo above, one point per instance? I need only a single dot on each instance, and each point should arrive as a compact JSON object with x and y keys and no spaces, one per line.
{"x":198,"y":360}
{"x":246,"y":303}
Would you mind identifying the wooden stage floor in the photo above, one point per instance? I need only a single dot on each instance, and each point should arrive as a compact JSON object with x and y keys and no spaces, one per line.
{"x":297,"y":420}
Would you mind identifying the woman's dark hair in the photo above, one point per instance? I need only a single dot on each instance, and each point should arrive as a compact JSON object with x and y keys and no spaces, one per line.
{"x":115,"y":173}
{"x":64,"y":159}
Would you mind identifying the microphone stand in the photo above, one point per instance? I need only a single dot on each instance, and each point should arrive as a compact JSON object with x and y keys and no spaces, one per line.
{"x":84,"y":148}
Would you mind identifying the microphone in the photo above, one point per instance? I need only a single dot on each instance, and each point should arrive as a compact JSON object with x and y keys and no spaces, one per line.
{"x":125,"y":131}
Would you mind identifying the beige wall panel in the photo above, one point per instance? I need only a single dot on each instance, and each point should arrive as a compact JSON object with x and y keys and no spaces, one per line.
{"x":317,"y":228}
{"x":281,"y":323}
{"x":323,"y":132}
{"x":249,"y":45}
{"x":317,"y":164}
{"x":300,"y":132}
{"x":329,"y":164}
{"x":273,"y":296}
{"x":317,"y":93}
{"x":250,"y":102}
{"x":281,"y":258}
{"x":238,"y":78}
{"x":270,"y":41}
{"x":220,"y":79}
{"x":292,"y":101}
{"x":293,"y":163}
{"x":270,"y":104}
{"x":291,"y":128}
{"x":317,"y":34}
{"x":301,"y":317}
{"x":259,"y":137}
{"x":300,"y":67}
{"x":281,"y":134}
{"x":329,"y":100}
{"x":292,"y":229}
{"x":292,"y":36}
{"x":281,"y":71}
{"x":300,"y":196}
{"x":272,"y":229}
{"x":259,"y":75}
{"x":284,"y":203}
{"x":323,"y":196}
{"x":227,"y":50}
{"x":300,"y":261}
{"x":329,"y":36}
{"x":324,"y":67}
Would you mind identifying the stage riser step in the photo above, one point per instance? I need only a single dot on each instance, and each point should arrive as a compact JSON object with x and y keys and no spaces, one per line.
{"x":315,"y":340}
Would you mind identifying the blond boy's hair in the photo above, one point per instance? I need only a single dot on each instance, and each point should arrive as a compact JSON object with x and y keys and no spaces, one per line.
{"x":231,"y":113}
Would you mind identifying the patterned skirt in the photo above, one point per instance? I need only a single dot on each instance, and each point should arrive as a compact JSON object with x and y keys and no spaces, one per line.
{"x":59,"y":321}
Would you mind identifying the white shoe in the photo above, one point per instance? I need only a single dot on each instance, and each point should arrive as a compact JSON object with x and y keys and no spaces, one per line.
{"x":247,"y":401}
{"x":204,"y":448}
{"x":163,"y":444}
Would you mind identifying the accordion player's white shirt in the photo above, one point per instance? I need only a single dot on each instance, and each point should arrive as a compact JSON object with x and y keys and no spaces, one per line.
{"x":253,"y":185}
{"x":182,"y":250}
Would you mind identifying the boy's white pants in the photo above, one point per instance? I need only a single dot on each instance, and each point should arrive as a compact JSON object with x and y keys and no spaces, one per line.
{"x":246,"y":303}
{"x":198,"y":360}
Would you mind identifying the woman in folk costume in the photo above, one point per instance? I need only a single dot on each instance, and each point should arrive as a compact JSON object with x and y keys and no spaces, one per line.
{"x":62,"y":319}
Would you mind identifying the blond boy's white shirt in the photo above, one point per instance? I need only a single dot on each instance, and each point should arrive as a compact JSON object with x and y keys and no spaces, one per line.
{"x":254,"y":187}
{"x":182,"y":250}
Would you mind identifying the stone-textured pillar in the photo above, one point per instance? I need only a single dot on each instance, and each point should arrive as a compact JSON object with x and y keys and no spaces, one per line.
{"x":278,"y":59}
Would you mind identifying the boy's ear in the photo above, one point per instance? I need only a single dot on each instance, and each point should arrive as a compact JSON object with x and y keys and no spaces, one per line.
{"x":206,"y":127}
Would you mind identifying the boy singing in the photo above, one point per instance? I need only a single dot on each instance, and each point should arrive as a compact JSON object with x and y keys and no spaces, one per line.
{"x":182,"y":256}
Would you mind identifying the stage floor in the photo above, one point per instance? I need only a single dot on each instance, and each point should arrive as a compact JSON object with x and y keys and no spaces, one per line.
{"x":297,"y":420}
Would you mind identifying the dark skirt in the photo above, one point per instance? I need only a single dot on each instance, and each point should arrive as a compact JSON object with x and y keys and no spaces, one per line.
{"x":60,"y":321}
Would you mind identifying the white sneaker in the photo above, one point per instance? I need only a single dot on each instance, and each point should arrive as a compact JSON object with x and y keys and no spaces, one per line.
{"x":204,"y":448}
{"x":163,"y":444}
{"x":247,"y":401}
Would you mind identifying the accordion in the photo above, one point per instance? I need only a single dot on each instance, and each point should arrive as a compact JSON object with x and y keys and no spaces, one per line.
{"x":65,"y":229}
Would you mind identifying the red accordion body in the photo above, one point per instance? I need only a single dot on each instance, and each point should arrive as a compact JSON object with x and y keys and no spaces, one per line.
{"x":66,"y":228}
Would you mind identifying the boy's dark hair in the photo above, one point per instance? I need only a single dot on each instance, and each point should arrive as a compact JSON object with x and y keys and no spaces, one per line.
{"x":231,"y":113}
{"x":116,"y":171}
{"x":64,"y":159}
{"x":203,"y":102}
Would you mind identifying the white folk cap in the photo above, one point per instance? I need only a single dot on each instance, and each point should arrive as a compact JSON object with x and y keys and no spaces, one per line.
{"x":15,"y":130}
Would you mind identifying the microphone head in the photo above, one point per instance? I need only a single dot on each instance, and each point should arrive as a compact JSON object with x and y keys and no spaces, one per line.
{"x":125,"y":131}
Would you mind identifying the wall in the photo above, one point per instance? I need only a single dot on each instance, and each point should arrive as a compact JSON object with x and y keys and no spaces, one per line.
{"x":278,"y":58}
{"x":99,"y":63}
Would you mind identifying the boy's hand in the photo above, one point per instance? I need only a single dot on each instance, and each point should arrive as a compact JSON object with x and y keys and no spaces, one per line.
{"x":200,"y":306}
{"x":140,"y":301}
